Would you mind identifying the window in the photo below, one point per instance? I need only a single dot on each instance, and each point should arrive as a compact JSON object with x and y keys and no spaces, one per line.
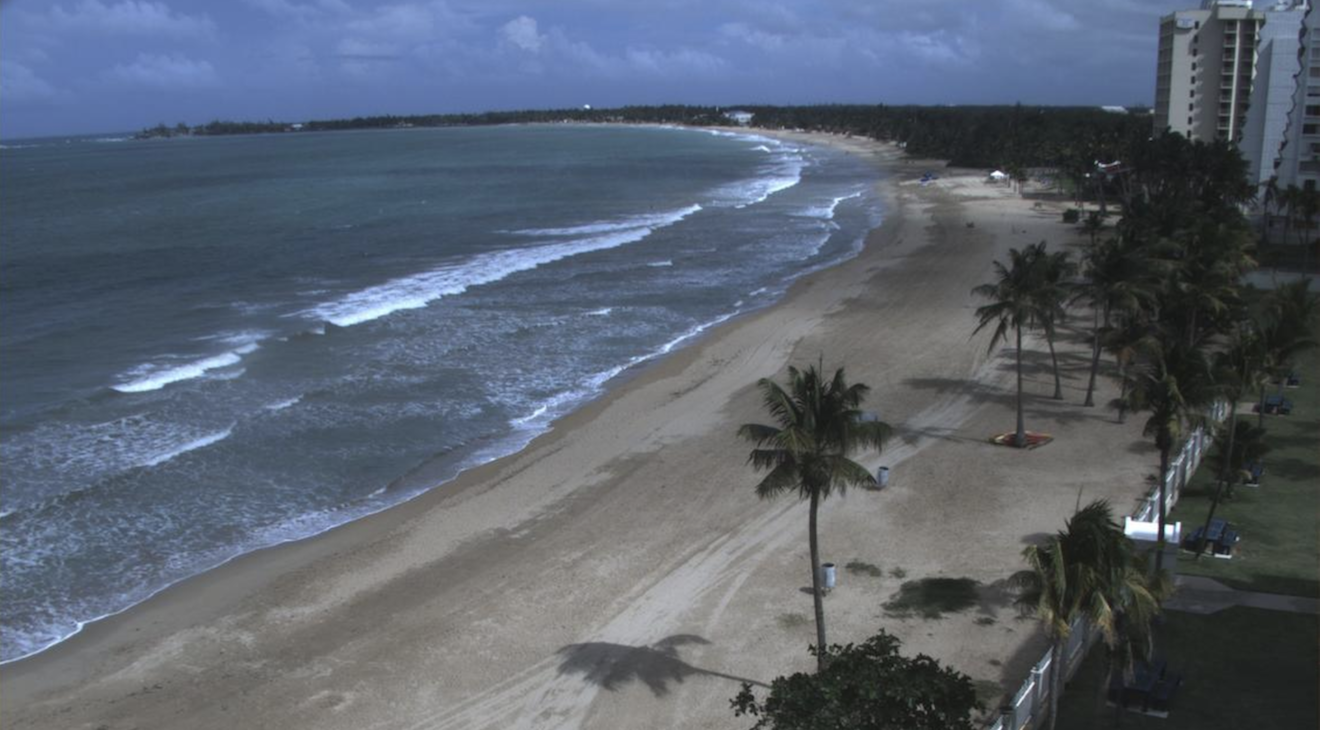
{"x":1310,"y":128}
{"x":1309,"y":185}
{"x":1313,"y":110}
{"x":1189,"y":121}
{"x":1193,"y":65}
{"x":1190,"y":107}
{"x":1191,"y":93}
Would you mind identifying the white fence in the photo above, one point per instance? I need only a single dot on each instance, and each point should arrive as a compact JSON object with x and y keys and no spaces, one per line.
{"x":1032,"y":698}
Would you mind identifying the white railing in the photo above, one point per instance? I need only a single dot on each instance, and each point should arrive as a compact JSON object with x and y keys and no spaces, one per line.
{"x":1032,"y":697}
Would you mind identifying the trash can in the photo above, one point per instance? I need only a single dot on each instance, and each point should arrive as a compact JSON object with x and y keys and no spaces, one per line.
{"x":827,"y":576}
{"x":882,"y":477}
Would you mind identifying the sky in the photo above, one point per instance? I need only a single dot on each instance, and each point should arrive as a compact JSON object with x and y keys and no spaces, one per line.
{"x":87,"y":66}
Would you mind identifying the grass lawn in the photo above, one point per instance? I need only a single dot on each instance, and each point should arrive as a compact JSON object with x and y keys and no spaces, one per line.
{"x":1279,"y":522}
{"x":1241,"y":668}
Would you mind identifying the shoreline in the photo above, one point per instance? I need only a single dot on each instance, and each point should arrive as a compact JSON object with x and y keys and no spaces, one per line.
{"x":473,"y":585}
{"x":425,"y":476}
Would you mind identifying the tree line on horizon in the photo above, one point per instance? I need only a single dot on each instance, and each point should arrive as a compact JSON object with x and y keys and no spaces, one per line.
{"x":1009,"y":136}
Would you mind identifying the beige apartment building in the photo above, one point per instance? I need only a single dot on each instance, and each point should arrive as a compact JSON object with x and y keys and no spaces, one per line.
{"x":1207,"y":60}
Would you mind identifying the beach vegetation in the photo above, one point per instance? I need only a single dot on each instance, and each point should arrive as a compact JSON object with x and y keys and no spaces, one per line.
{"x":817,"y":424}
{"x":1054,"y":272}
{"x":868,"y":686}
{"x":1090,"y":570}
{"x":1121,"y":280}
{"x":1016,"y":297}
{"x":1174,"y":385}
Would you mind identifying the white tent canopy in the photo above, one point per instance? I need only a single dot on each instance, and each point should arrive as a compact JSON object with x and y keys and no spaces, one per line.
{"x":998,"y":176}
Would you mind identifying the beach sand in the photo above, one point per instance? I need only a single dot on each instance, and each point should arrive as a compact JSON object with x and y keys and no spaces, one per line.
{"x":620,"y":571}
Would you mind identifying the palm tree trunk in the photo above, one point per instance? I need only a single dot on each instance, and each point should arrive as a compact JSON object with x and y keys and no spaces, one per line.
{"x":1260,"y":408}
{"x":1095,"y":360}
{"x":816,"y":595}
{"x":1058,"y":388}
{"x":1223,"y":475}
{"x":1056,"y":679}
{"x":1020,"y":435}
{"x":1122,"y":393}
{"x":1164,"y":479}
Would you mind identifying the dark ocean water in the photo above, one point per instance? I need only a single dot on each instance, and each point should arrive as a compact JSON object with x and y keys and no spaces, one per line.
{"x":208,"y":346}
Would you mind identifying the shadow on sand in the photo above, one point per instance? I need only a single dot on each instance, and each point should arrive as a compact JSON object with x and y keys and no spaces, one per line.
{"x":657,"y":666}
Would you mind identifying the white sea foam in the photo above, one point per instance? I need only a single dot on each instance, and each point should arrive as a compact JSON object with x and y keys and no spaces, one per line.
{"x":415,"y":292}
{"x":155,"y":377}
{"x":282,"y":404}
{"x":826,"y":212}
{"x":647,"y":220}
{"x":197,"y":443}
{"x":660,"y":264}
{"x":603,"y":312}
{"x":783,"y":174}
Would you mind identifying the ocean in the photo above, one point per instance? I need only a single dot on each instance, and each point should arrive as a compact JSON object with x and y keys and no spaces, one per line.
{"x":214,"y":345}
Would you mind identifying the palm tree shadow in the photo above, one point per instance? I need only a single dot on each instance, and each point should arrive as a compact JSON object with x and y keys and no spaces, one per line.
{"x":611,"y":666}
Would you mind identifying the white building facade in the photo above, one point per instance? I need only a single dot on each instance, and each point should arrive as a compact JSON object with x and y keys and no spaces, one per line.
{"x":1207,"y":61}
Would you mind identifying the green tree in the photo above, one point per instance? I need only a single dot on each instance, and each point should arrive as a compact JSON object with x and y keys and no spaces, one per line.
{"x":1285,"y":330}
{"x":865,"y":687}
{"x":1013,"y":305}
{"x":1235,"y":447}
{"x":1051,"y":291}
{"x":1174,"y":384}
{"x":1088,"y":570}
{"x":1118,"y":279}
{"x":817,"y":425}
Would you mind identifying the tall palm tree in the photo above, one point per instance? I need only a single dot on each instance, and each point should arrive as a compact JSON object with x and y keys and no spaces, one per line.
{"x":1119,"y":278}
{"x":1238,"y":368}
{"x":817,"y":424}
{"x":1054,"y":272}
{"x":1013,"y":306}
{"x":1269,"y":200}
{"x":1088,"y":570}
{"x":1285,"y":330}
{"x":1174,"y":384}
{"x":1237,"y":444}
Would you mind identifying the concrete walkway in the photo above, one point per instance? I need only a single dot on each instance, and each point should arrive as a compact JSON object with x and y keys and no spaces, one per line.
{"x":1196,"y":594}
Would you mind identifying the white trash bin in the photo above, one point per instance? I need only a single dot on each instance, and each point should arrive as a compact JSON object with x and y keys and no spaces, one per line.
{"x":827,"y":576}
{"x":882,"y":477}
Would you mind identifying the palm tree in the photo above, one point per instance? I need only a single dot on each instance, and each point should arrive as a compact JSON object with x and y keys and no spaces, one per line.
{"x":1119,"y":279}
{"x":1013,"y":305}
{"x":1174,"y":384}
{"x":1285,"y":331}
{"x":1238,"y":444}
{"x":1239,"y":367}
{"x":1089,"y":570}
{"x":1054,"y":272}
{"x":817,"y":424}
{"x":1269,"y":199}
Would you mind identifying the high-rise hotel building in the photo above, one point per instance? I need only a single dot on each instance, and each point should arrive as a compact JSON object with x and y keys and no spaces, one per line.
{"x":1246,"y":75}
{"x":1207,"y":60}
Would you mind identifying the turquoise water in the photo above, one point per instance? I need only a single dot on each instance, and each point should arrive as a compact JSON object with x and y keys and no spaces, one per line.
{"x":213,"y":345}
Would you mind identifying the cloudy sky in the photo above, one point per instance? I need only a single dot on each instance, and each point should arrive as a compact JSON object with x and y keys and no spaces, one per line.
{"x":74,"y":66}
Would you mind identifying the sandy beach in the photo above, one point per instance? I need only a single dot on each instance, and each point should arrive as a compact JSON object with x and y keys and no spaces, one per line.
{"x":620,"y":571}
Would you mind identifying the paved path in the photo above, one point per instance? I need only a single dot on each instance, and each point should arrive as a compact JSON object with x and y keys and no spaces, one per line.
{"x":1197,"y":594}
